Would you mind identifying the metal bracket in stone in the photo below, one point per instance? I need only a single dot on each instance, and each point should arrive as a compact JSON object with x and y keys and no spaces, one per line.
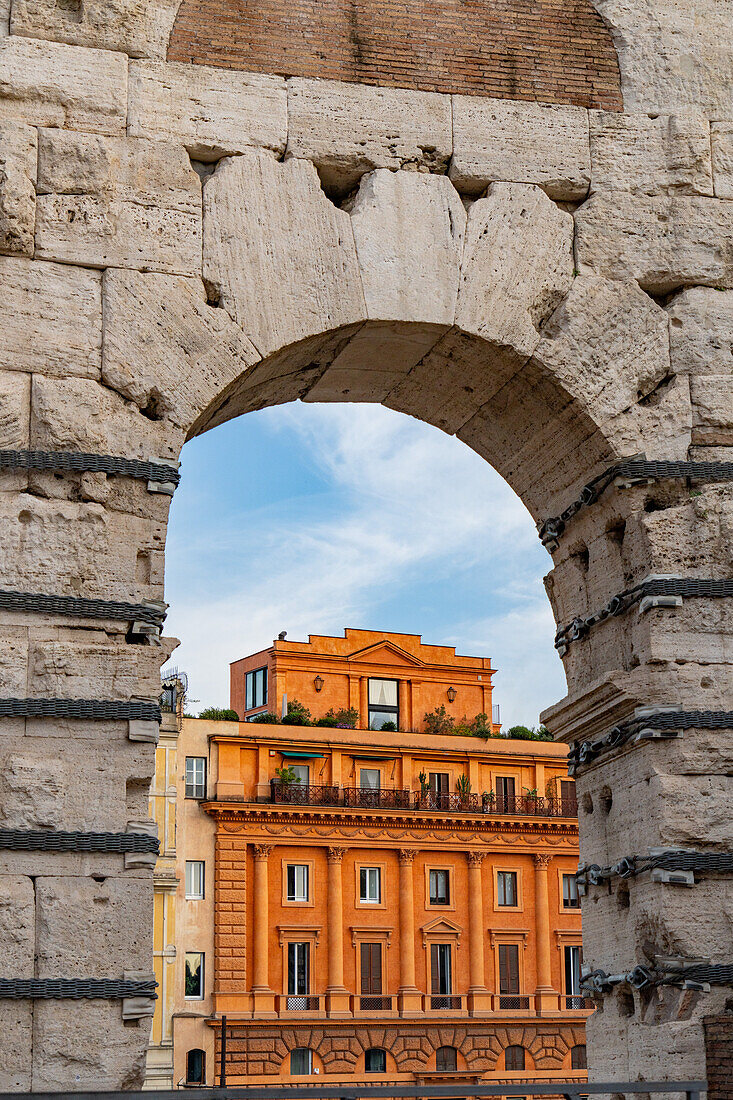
{"x":678,"y":971}
{"x":669,"y":866}
{"x":647,"y":723}
{"x":656,"y":590}
{"x":135,"y":985}
{"x":139,"y":839}
{"x":138,"y":1005}
{"x":143,"y":719}
{"x":142,"y":857}
{"x":636,"y":470}
{"x":162,"y":475}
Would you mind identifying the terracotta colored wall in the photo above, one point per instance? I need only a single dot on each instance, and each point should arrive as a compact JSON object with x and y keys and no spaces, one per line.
{"x":553,"y":51}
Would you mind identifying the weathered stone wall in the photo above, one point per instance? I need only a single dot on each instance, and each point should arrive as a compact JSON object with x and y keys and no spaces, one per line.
{"x":181,"y":244}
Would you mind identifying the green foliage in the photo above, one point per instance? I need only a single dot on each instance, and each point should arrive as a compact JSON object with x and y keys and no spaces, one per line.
{"x":478,"y":726}
{"x":298,"y":715}
{"x":463,"y":785}
{"x":329,"y":720}
{"x":268,"y":718}
{"x":551,"y":788}
{"x":220,"y":714}
{"x":524,"y":733}
{"x":439,"y":721}
{"x":424,"y":785}
{"x":389,"y":726}
{"x":286,"y":775}
{"x":530,"y":792}
{"x":346,"y":718}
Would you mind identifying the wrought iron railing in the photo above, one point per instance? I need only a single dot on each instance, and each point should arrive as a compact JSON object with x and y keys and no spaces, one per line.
{"x":444,"y":1002}
{"x":304,"y":794}
{"x":374,"y":1002}
{"x":377,"y":799}
{"x":300,"y":1002}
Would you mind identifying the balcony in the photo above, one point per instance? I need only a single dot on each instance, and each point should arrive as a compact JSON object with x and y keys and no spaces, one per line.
{"x":360,"y":798}
{"x":297,"y":1003}
{"x":377,"y":799}
{"x":443,"y":1002}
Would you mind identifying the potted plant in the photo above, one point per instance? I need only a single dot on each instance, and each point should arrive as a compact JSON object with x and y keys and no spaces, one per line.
{"x":487,"y":801}
{"x":286,"y":776}
{"x":463,"y":786}
{"x":424,"y":786}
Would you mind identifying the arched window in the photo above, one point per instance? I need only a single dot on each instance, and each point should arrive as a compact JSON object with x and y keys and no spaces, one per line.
{"x":446,"y":1058}
{"x":375,"y":1061}
{"x":578,"y":1059}
{"x":196,"y":1067}
{"x":301,"y":1061}
{"x":514,"y":1058}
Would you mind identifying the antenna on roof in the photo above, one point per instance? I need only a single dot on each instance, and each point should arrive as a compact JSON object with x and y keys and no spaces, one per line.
{"x":282,"y":635}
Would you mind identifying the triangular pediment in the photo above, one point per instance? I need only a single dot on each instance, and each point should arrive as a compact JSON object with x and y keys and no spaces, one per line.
{"x":441,"y":927}
{"x":387,"y":653}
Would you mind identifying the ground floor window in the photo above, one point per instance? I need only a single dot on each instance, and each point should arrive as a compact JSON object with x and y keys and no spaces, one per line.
{"x":196,"y":1067}
{"x":194,"y":976}
{"x":578,"y":1059}
{"x":301,"y":1061}
{"x":514,"y":1058}
{"x":446,"y":1059}
{"x":375,"y":1061}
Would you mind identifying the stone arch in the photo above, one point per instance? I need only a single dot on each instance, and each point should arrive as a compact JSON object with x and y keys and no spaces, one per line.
{"x":515,"y":49}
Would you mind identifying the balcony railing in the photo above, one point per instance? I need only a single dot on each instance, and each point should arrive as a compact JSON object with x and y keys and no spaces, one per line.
{"x":374,"y":1003}
{"x":377,"y":799}
{"x":299,"y":1002}
{"x":443,"y":1002}
{"x":303,"y":794}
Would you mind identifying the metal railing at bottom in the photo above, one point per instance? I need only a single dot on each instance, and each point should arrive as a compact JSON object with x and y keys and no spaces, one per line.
{"x":568,"y":1090}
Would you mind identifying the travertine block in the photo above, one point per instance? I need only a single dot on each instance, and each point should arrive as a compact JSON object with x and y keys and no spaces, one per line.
{"x":69,"y":548}
{"x":117,"y":202}
{"x":16,"y":1024}
{"x":610,"y":340}
{"x":280,"y":255}
{"x":80,"y":414}
{"x":650,"y":156}
{"x":14,"y":662}
{"x":63,"y":665}
{"x":140,"y":28}
{"x":17,"y":926}
{"x":517,"y":142}
{"x":164,"y":345}
{"x":661,"y":242}
{"x":213,"y":112}
{"x":15,"y":411}
{"x":348,"y":129}
{"x":517,"y":266}
{"x":81,"y":930}
{"x":18,"y":161}
{"x":47,"y":84}
{"x":51,"y":318}
{"x":68,"y":782}
{"x":721,"y":137}
{"x":83,"y":1045}
{"x":701,"y":331}
{"x":399,"y":219}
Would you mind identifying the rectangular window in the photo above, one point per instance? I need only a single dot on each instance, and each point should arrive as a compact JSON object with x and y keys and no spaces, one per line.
{"x":505,"y":794}
{"x":298,"y":969}
{"x":370,"y":884}
{"x":508,"y":968}
{"x":568,"y":796}
{"x":441,"y":978}
{"x":439,"y":782}
{"x":194,"y":976}
{"x":370,"y":777}
{"x":506,"y":888}
{"x":301,"y":773}
{"x":439,"y":887}
{"x":383,"y":703}
{"x":298,"y":882}
{"x":573,"y":958}
{"x":301,"y":1061}
{"x":570,"y":899}
{"x":195,"y":777}
{"x":371,"y":968}
{"x":255,"y":689}
{"x":194,"y":879}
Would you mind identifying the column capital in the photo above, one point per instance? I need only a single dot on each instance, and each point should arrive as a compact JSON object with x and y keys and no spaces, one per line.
{"x":407,"y":855}
{"x":262,"y":851}
{"x":475,"y":859}
{"x":542,"y":859}
{"x":335,"y":855}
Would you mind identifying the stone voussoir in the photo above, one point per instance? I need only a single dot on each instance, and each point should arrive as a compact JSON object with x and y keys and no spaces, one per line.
{"x":650,"y":156}
{"x":213,"y":112}
{"x":49,"y":84}
{"x":348,"y":129}
{"x":515,"y":142}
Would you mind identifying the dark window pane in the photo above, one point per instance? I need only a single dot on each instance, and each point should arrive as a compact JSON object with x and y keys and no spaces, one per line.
{"x":514,"y":1058}
{"x":375,"y":1061}
{"x":446,"y":1059}
{"x":196,"y":1067}
{"x":301,"y":1060}
{"x":194,"y":975}
{"x":578,"y":1058}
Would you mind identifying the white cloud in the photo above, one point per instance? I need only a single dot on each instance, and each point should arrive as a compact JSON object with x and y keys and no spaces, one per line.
{"x":403,"y":501}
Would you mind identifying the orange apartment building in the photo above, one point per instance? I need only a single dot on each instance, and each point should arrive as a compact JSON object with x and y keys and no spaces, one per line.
{"x":379,"y":905}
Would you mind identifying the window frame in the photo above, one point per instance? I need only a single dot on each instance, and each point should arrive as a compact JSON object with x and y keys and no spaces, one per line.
{"x":515,"y":1069}
{"x":449,"y":905}
{"x":307,"y":945}
{"x":366,"y":870}
{"x":564,"y":908}
{"x":583,"y":1058}
{"x":202,"y":976}
{"x":190,"y":1080}
{"x":502,"y":907}
{"x":302,"y":1073}
{"x":446,"y":1069}
{"x":375,"y":1050}
{"x":190,"y":896}
{"x":191,"y":787}
{"x":446,"y":949}
{"x":249,"y":697}
{"x":373,"y":771}
{"x":307,"y":864}
{"x":360,"y":969}
{"x":390,"y":713}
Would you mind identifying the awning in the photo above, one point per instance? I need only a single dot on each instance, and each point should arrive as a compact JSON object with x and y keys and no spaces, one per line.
{"x":302,"y":755}
{"x":369,"y":756}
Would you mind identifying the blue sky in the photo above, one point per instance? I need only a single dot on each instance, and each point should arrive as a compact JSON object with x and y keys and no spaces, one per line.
{"x":309,"y":518}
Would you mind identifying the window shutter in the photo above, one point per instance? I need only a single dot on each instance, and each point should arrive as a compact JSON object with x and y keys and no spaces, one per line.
{"x":365,"y":968}
{"x":513,"y":956}
{"x":508,"y":968}
{"x":291,"y":883}
{"x":376,"y":967}
{"x":434,"y":968}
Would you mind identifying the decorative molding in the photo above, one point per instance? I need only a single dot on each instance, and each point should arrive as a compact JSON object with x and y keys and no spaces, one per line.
{"x":475,"y":859}
{"x":407,"y":855}
{"x":262,"y":851}
{"x":335,"y":855}
{"x":509,"y":935}
{"x":443,"y":928}
{"x":542,"y":859}
{"x":294,"y":931}
{"x":363,"y":931}
{"x":573,"y":938}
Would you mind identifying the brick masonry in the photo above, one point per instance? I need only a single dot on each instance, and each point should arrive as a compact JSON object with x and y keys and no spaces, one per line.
{"x":719,"y":1056}
{"x":551,"y":51}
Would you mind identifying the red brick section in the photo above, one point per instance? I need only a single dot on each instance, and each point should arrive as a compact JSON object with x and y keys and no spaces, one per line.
{"x":551,"y":51}
{"x":719,"y":1056}
{"x":230,"y":935}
